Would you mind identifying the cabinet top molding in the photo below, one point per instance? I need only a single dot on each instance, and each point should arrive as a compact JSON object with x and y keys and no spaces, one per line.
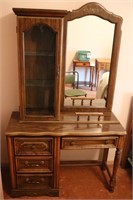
{"x":39,"y":12}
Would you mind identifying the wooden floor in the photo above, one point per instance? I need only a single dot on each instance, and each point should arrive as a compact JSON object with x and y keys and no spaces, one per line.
{"x":83,"y":182}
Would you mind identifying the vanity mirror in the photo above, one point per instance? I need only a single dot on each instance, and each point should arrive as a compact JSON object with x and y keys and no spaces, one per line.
{"x":91,"y":28}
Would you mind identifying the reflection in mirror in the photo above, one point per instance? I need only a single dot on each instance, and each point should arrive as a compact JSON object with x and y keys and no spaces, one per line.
{"x":89,"y":33}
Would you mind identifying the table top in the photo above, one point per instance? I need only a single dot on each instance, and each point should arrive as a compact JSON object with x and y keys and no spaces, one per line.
{"x":67,"y":126}
{"x":103,"y":60}
{"x":80,"y":61}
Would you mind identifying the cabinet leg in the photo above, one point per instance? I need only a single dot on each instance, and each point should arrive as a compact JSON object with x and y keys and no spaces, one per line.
{"x":112,"y":182}
{"x":105,"y":157}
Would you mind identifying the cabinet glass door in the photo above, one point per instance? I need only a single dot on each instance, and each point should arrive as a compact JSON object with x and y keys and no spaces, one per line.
{"x":39,"y":68}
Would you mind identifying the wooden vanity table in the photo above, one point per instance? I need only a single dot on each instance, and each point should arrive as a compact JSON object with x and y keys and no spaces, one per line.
{"x":34,"y":150}
{"x":44,"y":125}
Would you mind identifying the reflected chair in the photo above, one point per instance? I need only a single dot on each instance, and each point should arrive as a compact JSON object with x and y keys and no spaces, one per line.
{"x":100,"y":94}
{"x":103,"y":86}
{"x":72,"y":80}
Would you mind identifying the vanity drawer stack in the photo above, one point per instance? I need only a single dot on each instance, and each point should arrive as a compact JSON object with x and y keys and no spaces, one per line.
{"x":33,"y":168}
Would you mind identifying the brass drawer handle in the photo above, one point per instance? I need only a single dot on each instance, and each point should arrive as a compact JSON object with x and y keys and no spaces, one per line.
{"x":28,"y":164}
{"x":27,"y":180}
{"x":72,"y":143}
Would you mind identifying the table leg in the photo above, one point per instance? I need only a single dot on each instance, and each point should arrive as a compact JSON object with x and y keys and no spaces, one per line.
{"x":73,"y":66}
{"x":105,"y":157}
{"x":92,"y":76}
{"x":97,"y":78}
{"x":112,"y":182}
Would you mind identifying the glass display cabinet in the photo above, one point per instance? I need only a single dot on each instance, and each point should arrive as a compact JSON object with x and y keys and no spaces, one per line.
{"x":40,"y":35}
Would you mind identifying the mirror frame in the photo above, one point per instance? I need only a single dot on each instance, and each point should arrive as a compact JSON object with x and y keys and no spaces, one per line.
{"x":98,"y":10}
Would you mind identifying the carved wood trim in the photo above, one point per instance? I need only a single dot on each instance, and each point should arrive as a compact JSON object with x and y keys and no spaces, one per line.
{"x":96,"y":9}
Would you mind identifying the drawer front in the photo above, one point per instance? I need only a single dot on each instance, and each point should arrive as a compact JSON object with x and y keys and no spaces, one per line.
{"x":104,"y":65}
{"x":33,"y":146}
{"x":34,"y":181}
{"x":88,"y":142}
{"x":82,"y":64}
{"x":30,"y":164}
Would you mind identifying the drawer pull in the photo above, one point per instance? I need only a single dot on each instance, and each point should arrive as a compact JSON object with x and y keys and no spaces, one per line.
{"x":72,"y":143}
{"x":27,"y":180}
{"x":28,"y":164}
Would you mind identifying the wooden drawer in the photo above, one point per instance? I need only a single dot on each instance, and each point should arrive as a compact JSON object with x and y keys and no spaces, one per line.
{"x":34,"y":181}
{"x":33,"y":146}
{"x":103,"y":65}
{"x":88,"y":142}
{"x":35,"y":164}
{"x":82,"y":64}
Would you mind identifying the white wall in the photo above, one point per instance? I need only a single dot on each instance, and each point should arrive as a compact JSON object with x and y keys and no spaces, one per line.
{"x":92,"y":34}
{"x":8,"y":52}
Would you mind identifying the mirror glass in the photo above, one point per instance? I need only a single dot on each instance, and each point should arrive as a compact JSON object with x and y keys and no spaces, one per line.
{"x":89,"y":45}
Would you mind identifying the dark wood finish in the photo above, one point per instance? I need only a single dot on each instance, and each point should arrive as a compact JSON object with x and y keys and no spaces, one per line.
{"x":31,"y":12}
{"x":34,"y":141}
{"x":33,"y":146}
{"x":43,"y":97}
{"x":97,"y":10}
{"x":34,"y":163}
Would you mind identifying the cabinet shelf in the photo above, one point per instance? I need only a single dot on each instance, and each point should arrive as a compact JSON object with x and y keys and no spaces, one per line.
{"x":39,"y":111}
{"x":39,"y":83}
{"x":42,"y":53}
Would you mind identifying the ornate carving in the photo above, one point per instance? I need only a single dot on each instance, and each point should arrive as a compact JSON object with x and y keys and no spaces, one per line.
{"x":35,"y":163}
{"x":34,"y":146}
{"x":93,"y":9}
